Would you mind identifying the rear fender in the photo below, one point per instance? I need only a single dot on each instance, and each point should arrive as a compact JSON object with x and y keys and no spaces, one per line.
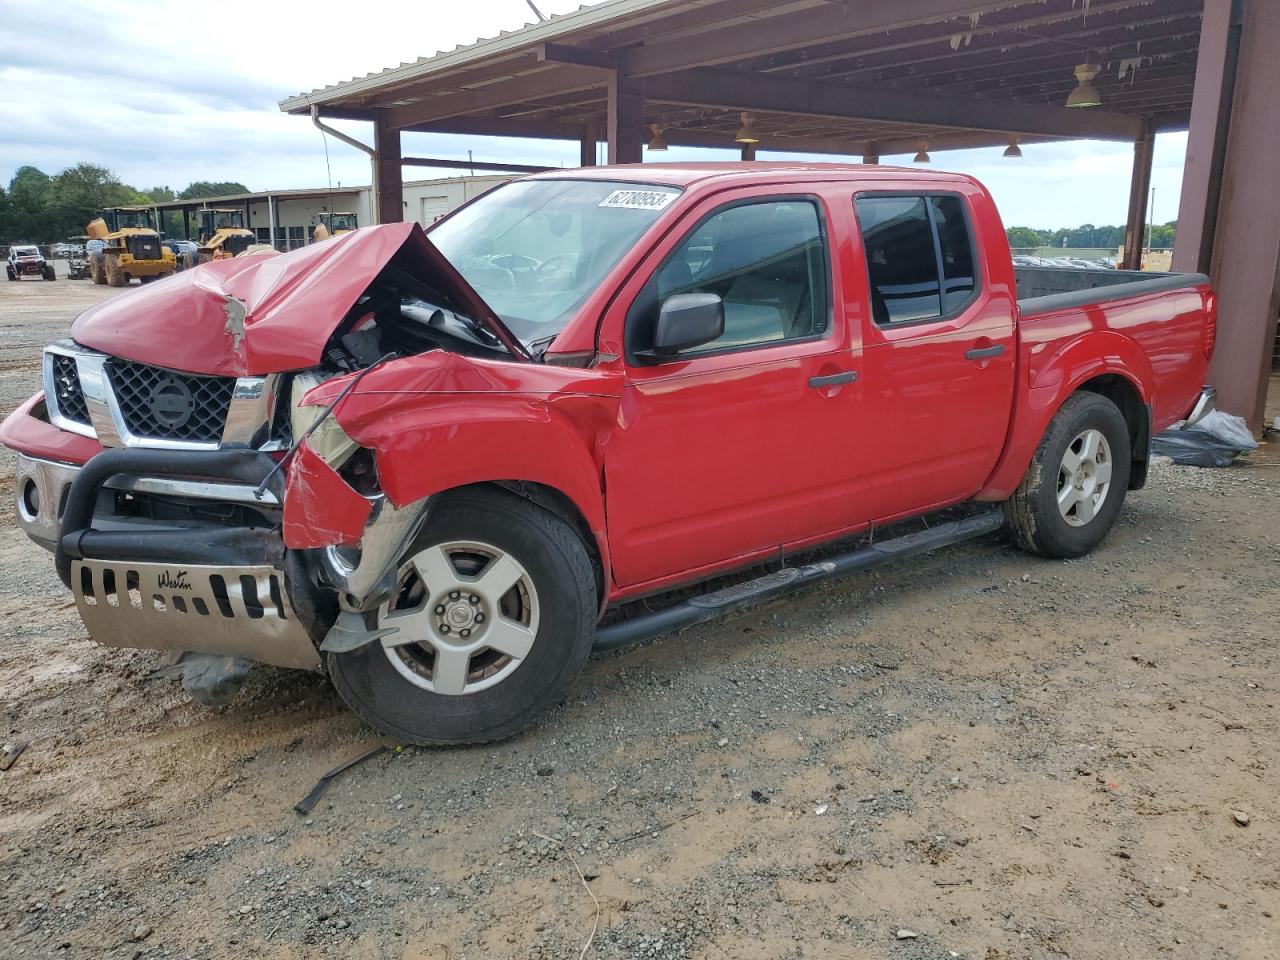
{"x":425,"y":445}
{"x":1050,"y":380}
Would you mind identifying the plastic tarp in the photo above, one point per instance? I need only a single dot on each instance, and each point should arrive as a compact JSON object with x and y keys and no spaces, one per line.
{"x":1214,"y":441}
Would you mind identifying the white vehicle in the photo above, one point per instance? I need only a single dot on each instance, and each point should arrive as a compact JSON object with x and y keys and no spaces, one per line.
{"x":26,"y":260}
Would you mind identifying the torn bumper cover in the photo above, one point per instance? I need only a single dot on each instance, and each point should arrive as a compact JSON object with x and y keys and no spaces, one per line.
{"x":229,"y":590}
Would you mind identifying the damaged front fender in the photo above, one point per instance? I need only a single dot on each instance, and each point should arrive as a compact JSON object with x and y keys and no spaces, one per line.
{"x":320,"y":508}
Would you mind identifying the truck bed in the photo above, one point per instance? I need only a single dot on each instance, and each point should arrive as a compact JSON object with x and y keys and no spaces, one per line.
{"x":1045,"y":289}
{"x":1155,"y":321}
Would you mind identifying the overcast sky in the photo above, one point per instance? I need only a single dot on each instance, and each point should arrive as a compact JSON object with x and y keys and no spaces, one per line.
{"x":164,"y":93}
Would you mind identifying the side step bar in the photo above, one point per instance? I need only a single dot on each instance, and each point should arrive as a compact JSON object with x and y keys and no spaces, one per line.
{"x":732,"y":598}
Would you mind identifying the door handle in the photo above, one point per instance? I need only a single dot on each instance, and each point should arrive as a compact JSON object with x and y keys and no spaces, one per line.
{"x":984,"y":353}
{"x":833,"y":379}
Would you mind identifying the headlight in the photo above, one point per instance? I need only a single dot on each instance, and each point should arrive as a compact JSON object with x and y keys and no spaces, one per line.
{"x":329,"y":440}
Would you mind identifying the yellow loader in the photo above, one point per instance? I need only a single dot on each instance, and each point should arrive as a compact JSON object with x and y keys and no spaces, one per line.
{"x":326,"y":225}
{"x":223,"y":234}
{"x":123,"y":243}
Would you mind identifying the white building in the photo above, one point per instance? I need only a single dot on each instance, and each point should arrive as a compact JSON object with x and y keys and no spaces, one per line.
{"x":293,"y":212}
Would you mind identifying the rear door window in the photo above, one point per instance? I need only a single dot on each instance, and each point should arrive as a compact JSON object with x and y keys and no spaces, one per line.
{"x":919,"y":256}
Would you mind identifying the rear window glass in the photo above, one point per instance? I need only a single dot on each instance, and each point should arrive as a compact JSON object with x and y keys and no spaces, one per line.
{"x":919,"y":253}
{"x":900,"y":258}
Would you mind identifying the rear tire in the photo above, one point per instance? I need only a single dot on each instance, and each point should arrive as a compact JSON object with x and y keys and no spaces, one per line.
{"x":98,"y":272}
{"x":1075,"y":486}
{"x":437,"y":681}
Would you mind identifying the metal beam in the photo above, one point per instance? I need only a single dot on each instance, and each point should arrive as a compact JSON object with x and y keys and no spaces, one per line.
{"x":1207,"y":143}
{"x":579,"y":56}
{"x":1096,"y":34}
{"x":734,"y":90}
{"x":824,"y":24}
{"x":625,"y":118}
{"x":1246,"y":250}
{"x":852,"y":147}
{"x":1139,"y":191}
{"x":549,"y":82}
{"x":587,"y":145}
{"x":388,"y":199}
{"x":471,"y":165}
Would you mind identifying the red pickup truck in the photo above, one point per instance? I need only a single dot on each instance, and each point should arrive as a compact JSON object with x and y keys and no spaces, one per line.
{"x":436,"y":464}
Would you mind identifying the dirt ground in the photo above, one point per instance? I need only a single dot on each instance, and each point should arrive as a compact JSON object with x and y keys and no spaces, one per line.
{"x":978,"y":754}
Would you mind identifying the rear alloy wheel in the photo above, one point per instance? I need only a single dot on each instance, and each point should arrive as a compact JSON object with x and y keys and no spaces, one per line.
{"x":1084,"y":478}
{"x":493,"y":613}
{"x":1075,"y":486}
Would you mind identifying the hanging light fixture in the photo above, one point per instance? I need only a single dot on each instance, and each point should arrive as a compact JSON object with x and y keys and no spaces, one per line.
{"x":923,"y":155}
{"x":1013,"y":151}
{"x":1085,"y":94}
{"x":657,"y":140}
{"x":747,"y":132}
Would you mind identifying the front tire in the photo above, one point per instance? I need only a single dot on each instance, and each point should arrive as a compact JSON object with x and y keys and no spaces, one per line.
{"x":116,"y":277}
{"x":495,"y":611}
{"x":1075,"y":486}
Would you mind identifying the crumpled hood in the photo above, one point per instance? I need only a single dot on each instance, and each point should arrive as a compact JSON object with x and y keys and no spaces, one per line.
{"x":267,"y":312}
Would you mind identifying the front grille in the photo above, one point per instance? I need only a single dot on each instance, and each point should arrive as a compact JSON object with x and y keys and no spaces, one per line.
{"x":145,"y":248}
{"x":66,"y":389}
{"x":161,"y":404}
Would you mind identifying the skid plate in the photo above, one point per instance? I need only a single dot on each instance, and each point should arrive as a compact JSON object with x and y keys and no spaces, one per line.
{"x":239,"y":611}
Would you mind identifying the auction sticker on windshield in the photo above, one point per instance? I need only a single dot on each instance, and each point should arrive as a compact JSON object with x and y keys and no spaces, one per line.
{"x":639,"y":199}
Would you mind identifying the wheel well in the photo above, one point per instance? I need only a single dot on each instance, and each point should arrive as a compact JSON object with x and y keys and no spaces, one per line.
{"x":1125,"y":396}
{"x":553,"y":501}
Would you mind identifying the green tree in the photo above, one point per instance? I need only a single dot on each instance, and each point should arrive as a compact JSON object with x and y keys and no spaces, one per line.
{"x":80,"y":192}
{"x":208,"y":188}
{"x":29,"y":193}
{"x":160,"y":194}
{"x":6,"y":214}
{"x":1161,"y":236}
{"x":1024,"y":238}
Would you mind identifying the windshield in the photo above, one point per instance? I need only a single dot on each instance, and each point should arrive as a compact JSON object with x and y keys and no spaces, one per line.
{"x":224,"y":220}
{"x":26,"y":252}
{"x":343,"y":221}
{"x":534,"y":249}
{"x":133,"y":219}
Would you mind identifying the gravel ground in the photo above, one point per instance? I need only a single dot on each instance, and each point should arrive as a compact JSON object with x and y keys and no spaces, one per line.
{"x":977,"y":754}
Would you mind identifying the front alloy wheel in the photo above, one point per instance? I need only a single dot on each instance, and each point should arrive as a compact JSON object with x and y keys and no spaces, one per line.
{"x":493,"y":613}
{"x":465,"y":616}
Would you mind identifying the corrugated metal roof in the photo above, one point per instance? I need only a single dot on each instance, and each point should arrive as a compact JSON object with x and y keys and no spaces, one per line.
{"x":593,"y":17}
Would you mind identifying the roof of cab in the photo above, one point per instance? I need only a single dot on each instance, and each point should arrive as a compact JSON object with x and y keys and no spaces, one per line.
{"x":744,"y":172}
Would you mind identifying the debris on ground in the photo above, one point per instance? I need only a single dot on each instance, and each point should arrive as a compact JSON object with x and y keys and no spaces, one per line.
{"x":10,"y":752}
{"x":1215,"y":441}
{"x":305,"y":805}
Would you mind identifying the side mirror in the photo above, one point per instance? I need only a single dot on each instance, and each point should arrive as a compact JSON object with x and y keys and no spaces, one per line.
{"x":686,"y":320}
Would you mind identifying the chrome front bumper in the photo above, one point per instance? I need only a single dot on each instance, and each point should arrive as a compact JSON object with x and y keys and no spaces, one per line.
{"x":1206,"y":403}
{"x":241,"y":610}
{"x":40,"y":489}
